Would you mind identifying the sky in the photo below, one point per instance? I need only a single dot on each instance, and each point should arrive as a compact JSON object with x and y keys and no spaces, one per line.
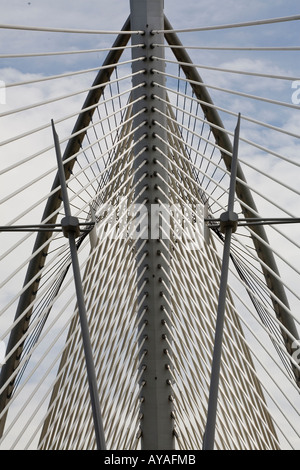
{"x":111,"y":15}
{"x":96,"y":14}
{"x":99,"y":14}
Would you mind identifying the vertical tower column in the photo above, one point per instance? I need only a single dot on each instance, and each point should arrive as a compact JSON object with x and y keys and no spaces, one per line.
{"x":157,"y":424}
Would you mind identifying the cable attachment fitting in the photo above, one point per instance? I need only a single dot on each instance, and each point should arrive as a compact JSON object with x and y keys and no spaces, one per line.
{"x":228,"y":219}
{"x":70,"y":224}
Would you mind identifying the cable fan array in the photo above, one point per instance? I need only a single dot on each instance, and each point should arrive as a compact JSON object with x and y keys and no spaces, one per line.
{"x":44,"y":393}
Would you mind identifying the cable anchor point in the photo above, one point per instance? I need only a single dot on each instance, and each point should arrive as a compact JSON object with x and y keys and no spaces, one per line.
{"x":228,"y":219}
{"x":70,"y":224}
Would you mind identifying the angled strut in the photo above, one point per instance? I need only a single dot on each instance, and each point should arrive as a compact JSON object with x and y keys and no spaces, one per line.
{"x":71,"y":231}
{"x":229,"y":219}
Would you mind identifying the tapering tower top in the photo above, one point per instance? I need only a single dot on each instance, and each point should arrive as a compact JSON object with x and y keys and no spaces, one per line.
{"x":141,"y":9}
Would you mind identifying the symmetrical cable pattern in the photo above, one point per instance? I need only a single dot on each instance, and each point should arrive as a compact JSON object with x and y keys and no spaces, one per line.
{"x":102,"y":141}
